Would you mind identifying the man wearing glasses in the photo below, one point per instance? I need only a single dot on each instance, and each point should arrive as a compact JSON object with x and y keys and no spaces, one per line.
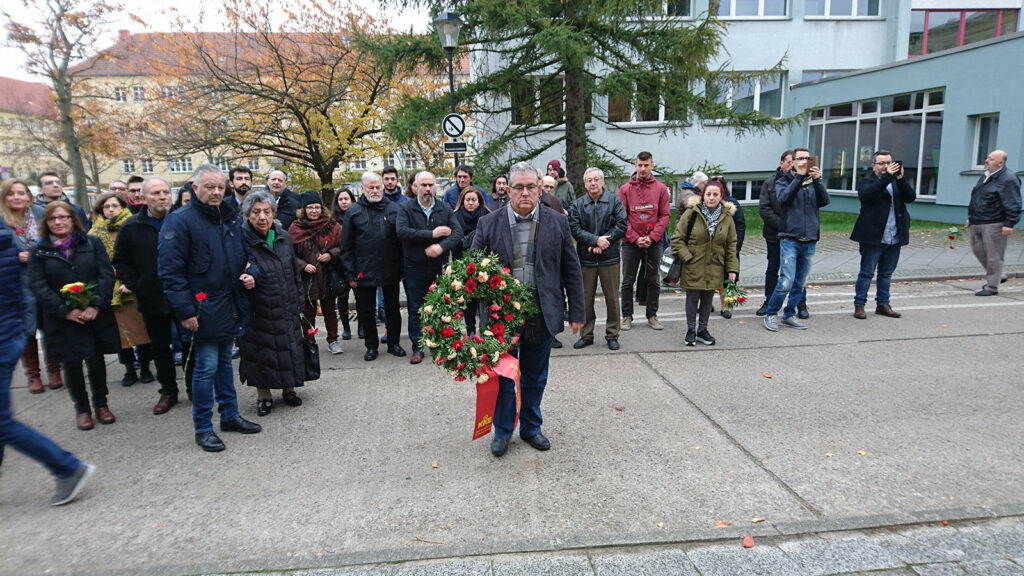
{"x":882,"y":227}
{"x":800,"y":195}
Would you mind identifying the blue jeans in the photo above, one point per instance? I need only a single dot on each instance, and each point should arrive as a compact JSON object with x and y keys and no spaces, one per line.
{"x":57,"y":460}
{"x":417,"y":280}
{"x":795,"y":264}
{"x":533,"y":377}
{"x":884,"y":257}
{"x":212,"y":376}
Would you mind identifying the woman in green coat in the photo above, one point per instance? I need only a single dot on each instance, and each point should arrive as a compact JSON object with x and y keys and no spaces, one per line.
{"x":705,"y":242}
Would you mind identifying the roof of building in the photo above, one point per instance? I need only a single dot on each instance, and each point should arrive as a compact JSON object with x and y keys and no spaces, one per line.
{"x":23,"y":97}
{"x":137,"y":54}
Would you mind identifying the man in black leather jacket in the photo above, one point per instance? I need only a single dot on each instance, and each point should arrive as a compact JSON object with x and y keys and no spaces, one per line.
{"x":993,"y":212}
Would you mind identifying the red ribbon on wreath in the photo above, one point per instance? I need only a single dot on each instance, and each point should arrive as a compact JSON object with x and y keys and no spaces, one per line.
{"x":487,"y":393}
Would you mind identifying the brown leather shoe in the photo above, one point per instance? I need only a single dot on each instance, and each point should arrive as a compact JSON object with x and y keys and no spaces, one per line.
{"x":164,"y":404}
{"x":30,"y":360}
{"x":84,"y":421}
{"x":53,"y":373}
{"x":417,"y":357}
{"x":105,"y":416}
{"x":886,"y":310}
{"x":859,"y":313}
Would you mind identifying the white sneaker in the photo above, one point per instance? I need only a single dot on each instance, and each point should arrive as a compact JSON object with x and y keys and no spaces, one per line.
{"x":334,"y":348}
{"x":68,"y":488}
{"x":627,"y":323}
{"x":792,"y":322}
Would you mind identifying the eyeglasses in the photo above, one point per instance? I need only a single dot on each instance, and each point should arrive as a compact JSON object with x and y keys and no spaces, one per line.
{"x":802,"y":159}
{"x":519,"y":188}
{"x":58,"y":218}
{"x":886,"y":163}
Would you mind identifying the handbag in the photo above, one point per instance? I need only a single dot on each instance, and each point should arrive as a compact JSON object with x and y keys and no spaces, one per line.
{"x":671,"y":268}
{"x":311,"y":355}
{"x":336,"y":279}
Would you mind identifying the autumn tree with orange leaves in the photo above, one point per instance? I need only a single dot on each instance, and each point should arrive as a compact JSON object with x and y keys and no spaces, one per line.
{"x":284,"y":82}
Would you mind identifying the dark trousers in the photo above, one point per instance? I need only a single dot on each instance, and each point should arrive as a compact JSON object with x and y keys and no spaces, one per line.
{"x":366,"y":308}
{"x":534,"y":358}
{"x":698,"y":308}
{"x":74,"y":379}
{"x":330,"y":318}
{"x":417,"y":280}
{"x":159,"y":328}
{"x":343,"y":306}
{"x":632,"y":259}
{"x":128,"y":356}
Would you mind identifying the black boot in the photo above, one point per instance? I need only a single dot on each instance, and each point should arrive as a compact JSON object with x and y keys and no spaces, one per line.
{"x":346,"y":329}
{"x":145,"y":376}
{"x":130,"y":377}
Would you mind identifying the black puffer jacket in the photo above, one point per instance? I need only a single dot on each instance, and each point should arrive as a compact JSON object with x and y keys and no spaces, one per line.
{"x":135,"y":262}
{"x":800,"y":206}
{"x":371,"y":253}
{"x":272,"y":349}
{"x":590,"y":219}
{"x":49,"y":271}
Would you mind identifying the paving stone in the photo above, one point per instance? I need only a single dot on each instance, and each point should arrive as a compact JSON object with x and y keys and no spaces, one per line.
{"x":905,"y":571}
{"x":992,"y":568}
{"x":674,"y":562}
{"x":926,"y":545}
{"x":548,"y":565}
{"x":358,"y":571}
{"x":452,"y":567}
{"x":942,"y":569}
{"x":732,"y":560}
{"x":839,"y":555}
{"x":998,"y":541}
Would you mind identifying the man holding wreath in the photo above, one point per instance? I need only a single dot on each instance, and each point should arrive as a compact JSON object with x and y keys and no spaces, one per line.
{"x":534,"y":242}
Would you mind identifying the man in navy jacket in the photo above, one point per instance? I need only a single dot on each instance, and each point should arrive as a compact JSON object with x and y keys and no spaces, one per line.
{"x":205,"y":267}
{"x":535,"y":243}
{"x":429,"y":231}
{"x":882,"y":227}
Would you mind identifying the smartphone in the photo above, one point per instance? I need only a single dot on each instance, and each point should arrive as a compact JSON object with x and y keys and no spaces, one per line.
{"x":812,"y":162}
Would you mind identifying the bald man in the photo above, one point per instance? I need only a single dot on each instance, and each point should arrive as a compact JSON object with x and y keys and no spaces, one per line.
{"x":993,"y":212}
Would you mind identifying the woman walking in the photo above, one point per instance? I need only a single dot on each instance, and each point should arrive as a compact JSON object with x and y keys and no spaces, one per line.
{"x":23,"y":217}
{"x":317,"y":240}
{"x":64,"y":255}
{"x":342,"y":200}
{"x":109,"y":214}
{"x":271,"y":352}
{"x":705,"y":242}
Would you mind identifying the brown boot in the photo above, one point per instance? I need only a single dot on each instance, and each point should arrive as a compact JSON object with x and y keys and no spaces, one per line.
{"x":104,"y":415}
{"x":858,"y":312}
{"x":53,"y":374}
{"x":30,"y":360}
{"x":886,"y":310}
{"x":84,"y":421}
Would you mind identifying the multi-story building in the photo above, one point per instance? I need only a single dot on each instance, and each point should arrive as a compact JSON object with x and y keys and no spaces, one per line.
{"x":827,"y":45}
{"x":27,"y":129}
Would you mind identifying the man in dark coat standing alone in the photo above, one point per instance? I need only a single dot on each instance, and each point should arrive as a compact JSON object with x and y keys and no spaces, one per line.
{"x":135,"y":256}
{"x":535,"y":243}
{"x":205,"y":267}
{"x":882,"y":227}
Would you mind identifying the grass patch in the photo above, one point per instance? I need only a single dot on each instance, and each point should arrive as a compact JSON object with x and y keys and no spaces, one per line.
{"x":831,"y":222}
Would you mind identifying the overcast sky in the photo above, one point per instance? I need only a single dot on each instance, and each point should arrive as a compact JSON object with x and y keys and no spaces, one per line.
{"x":12,"y":61}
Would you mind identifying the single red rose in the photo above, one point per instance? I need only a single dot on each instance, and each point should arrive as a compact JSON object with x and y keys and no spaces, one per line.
{"x":508,"y":317}
{"x":432,"y":286}
{"x":460,"y":366}
{"x":360,"y":276}
{"x":484,"y":358}
{"x":447,"y":300}
{"x":448,"y":332}
{"x":201,"y":297}
{"x":507,"y":297}
{"x":78,"y":289}
{"x":458,"y":314}
{"x":470,"y":285}
{"x":498,"y":329}
{"x":951,"y":248}
{"x":312,"y":330}
{"x":471,"y":269}
{"x":494,"y":315}
{"x":457,"y":345}
{"x":951,"y":237}
{"x":495,"y":307}
{"x":506,"y":270}
{"x":439,"y":361}
{"x":478,"y":339}
{"x":428,"y":329}
{"x":494,"y":282}
{"x":515,"y":340}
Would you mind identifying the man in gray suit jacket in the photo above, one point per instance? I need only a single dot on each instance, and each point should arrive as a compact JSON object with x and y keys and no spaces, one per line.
{"x":535,"y":243}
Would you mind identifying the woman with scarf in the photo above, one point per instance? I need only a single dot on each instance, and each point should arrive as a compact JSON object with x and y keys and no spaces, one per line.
{"x":65,"y":255}
{"x":109,"y":214}
{"x":317,"y":240}
{"x":23,"y":217}
{"x":470,"y":207}
{"x":342,"y":200}
{"x":705,"y":242}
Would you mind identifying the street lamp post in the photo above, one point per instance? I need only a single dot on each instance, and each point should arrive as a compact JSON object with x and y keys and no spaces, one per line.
{"x":448,"y":25}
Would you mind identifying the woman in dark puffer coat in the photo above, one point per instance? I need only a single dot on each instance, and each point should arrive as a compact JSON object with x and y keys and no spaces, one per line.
{"x":271,"y":351}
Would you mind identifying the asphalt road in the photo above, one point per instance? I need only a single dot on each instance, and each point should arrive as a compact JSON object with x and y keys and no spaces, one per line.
{"x":848,"y":425}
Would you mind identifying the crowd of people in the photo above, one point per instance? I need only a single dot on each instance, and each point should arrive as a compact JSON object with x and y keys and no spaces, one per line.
{"x":222,"y":270}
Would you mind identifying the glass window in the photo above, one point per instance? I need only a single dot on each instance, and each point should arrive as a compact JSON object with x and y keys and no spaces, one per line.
{"x":816,"y":136}
{"x":139,"y":93}
{"x":943,"y":31}
{"x":774,"y":8}
{"x":743,"y":96}
{"x":916,"y":33}
{"x":936,"y":98}
{"x":253,"y":164}
{"x":128,"y":166}
{"x":979,"y":26}
{"x":902,"y":135}
{"x":147,"y":166}
{"x":930,"y":154}
{"x":745,"y":7}
{"x":120,"y":95}
{"x":869,"y":107}
{"x":649,"y":103}
{"x":1008,"y":22}
{"x":841,"y":8}
{"x":865,"y":144}
{"x":551,"y":96}
{"x":678,"y":8}
{"x":840,"y":111}
{"x":618,"y":108}
{"x":814,"y":8}
{"x":771,"y":96}
{"x":986,"y":130}
{"x":524,"y":102}
{"x":837,"y":156}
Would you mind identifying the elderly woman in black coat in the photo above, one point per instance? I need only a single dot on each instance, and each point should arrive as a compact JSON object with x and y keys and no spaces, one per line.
{"x":65,"y":255}
{"x":271,"y":351}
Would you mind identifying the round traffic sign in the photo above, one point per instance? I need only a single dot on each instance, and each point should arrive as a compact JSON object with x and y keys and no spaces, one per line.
{"x":453,"y":125}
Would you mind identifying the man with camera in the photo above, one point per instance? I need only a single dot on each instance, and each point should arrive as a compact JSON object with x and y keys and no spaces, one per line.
{"x":800,"y":194}
{"x":882,"y":227}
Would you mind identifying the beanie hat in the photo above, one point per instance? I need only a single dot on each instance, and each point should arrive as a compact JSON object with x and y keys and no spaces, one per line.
{"x":556,"y":164}
{"x":311,"y":197}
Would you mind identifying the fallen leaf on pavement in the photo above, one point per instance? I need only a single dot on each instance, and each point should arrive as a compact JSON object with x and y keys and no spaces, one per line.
{"x":722,"y":523}
{"x":425,"y":541}
{"x":829,"y":454}
{"x":619,"y":408}
{"x":756,"y":520}
{"x":862,"y":453}
{"x":748,"y":541}
{"x":945,"y":523}
{"x":742,"y":322}
{"x":944,"y":325}
{"x":434,"y":464}
{"x":766,"y":375}
{"x":660,"y":524}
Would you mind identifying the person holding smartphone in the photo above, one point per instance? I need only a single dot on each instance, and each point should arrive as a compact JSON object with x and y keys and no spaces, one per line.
{"x":882,"y":227}
{"x":800,"y":194}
